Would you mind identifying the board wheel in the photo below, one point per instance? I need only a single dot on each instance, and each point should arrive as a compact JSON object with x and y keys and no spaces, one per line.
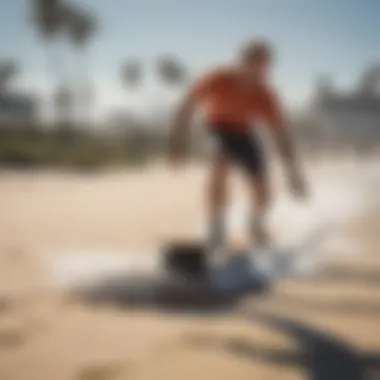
{"x":187,"y":258}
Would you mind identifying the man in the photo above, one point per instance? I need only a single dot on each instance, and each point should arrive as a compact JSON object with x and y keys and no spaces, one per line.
{"x":234,"y":98}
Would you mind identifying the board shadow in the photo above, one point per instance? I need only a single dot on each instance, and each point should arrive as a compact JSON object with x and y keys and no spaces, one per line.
{"x":325,"y":357}
{"x":162,"y":294}
{"x":352,"y":307}
{"x":320,"y":354}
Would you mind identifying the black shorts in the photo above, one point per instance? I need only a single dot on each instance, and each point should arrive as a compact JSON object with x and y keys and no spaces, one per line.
{"x":243,"y":148}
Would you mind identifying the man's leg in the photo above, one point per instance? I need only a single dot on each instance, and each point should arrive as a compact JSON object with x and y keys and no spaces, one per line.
{"x":217,"y":199}
{"x":259,"y":189}
{"x":249,"y":154}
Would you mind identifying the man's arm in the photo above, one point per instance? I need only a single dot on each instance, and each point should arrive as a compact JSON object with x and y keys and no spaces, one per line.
{"x":286,"y":149}
{"x":180,"y":128}
{"x":285,"y":145}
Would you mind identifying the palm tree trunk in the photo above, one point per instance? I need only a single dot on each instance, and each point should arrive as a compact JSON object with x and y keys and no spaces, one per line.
{"x":56,"y":60}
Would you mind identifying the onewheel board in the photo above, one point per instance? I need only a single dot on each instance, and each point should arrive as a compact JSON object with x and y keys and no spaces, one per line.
{"x":187,"y":258}
{"x":182,"y":277}
{"x":235,"y":274}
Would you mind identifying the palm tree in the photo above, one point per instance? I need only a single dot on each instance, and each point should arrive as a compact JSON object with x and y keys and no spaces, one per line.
{"x":132,"y":73}
{"x":80,"y":27}
{"x":47,"y":17}
{"x":171,"y":71}
{"x":52,"y":19}
{"x":8,"y":70}
{"x":63,"y":103}
{"x":173,"y":74}
{"x":370,"y":80}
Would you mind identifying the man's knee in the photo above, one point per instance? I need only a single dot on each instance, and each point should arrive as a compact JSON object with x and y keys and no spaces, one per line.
{"x":261,"y":191}
{"x":219,"y":177}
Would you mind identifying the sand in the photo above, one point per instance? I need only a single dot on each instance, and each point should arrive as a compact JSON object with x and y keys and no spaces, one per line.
{"x":322,"y":326}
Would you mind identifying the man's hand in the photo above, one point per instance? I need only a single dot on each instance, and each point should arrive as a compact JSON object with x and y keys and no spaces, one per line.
{"x":177,"y":151}
{"x":176,"y":158}
{"x":179,"y":132}
{"x":297,"y":184}
{"x":296,"y":180}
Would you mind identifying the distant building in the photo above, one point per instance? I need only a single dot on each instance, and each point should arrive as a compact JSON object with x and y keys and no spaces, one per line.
{"x":352,"y":117}
{"x":17,"y":108}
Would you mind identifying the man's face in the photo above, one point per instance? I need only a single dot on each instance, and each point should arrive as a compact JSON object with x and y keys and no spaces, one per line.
{"x":256,"y":68}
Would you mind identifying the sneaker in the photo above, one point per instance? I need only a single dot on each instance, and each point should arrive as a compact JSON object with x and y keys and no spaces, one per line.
{"x":216,"y":236}
{"x":261,"y":236}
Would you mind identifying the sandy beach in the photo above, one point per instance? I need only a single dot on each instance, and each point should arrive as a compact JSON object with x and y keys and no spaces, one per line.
{"x":323,"y":326}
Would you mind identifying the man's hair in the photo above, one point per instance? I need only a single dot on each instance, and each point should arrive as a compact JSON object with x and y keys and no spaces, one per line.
{"x":255,"y":49}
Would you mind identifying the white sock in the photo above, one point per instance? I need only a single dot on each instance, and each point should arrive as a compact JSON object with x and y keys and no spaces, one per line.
{"x":216,"y":233}
{"x":258,"y":230}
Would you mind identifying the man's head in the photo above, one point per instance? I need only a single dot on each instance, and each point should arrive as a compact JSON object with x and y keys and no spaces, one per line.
{"x":255,"y":58}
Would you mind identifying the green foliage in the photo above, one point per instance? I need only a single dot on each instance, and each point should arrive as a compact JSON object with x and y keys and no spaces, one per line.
{"x":137,"y":145}
{"x":29,"y":147}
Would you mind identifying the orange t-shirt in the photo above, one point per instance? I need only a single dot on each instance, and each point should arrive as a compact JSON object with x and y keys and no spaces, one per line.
{"x":229,"y":104}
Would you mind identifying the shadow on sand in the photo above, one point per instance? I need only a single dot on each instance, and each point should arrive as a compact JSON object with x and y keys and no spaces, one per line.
{"x":164,"y":294}
{"x":335,"y":305}
{"x":321,"y":355}
{"x":238,"y":278}
{"x":364,"y":276}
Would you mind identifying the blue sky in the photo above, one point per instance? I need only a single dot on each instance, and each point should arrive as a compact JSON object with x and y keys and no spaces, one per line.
{"x":338,"y":37}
